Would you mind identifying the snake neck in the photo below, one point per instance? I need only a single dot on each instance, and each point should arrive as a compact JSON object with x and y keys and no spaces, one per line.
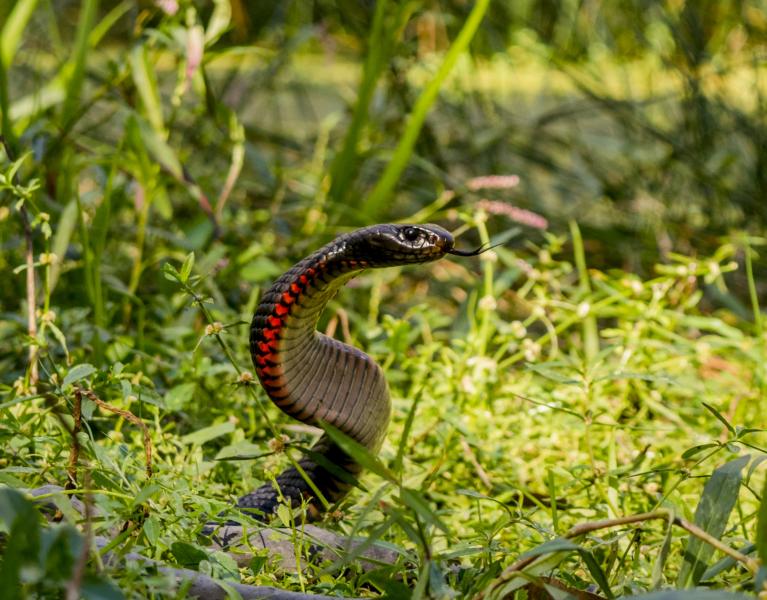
{"x":290,"y":356}
{"x":318,"y":379}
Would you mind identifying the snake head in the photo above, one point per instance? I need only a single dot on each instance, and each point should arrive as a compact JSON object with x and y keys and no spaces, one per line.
{"x":390,"y":245}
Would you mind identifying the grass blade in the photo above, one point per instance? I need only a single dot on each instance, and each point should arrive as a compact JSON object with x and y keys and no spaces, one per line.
{"x":359,"y":453}
{"x":590,"y":331}
{"x":75,"y":81}
{"x":343,"y":167}
{"x":146,"y":85}
{"x":761,"y":527}
{"x":383,"y":189}
{"x":719,"y":416}
{"x":660,"y":562}
{"x":714,"y":508}
{"x":415,"y":501}
{"x":10,"y":35}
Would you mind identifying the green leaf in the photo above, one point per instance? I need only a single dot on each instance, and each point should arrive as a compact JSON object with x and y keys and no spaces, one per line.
{"x":152,"y":530}
{"x":438,"y":586}
{"x":257,"y":563}
{"x":59,"y":335}
{"x":219,"y":21}
{"x":690,"y":452}
{"x":417,"y":503}
{"x":551,"y":374}
{"x":711,"y":515}
{"x":159,"y":149}
{"x":359,"y":453}
{"x":146,"y":493}
{"x":660,"y":562}
{"x":98,"y":587}
{"x":284,"y":515}
{"x":242,"y":450}
{"x":323,"y":461}
{"x":187,"y":555}
{"x":170,"y":272}
{"x":186,"y":268}
{"x":551,"y":546}
{"x":178,"y":397}
{"x":224,"y":566}
{"x":596,"y":572}
{"x":77,"y":373}
{"x":13,"y":29}
{"x":146,"y":85}
{"x":206,"y":434}
{"x":387,"y":580}
{"x":726,"y":563}
{"x":719,"y":416}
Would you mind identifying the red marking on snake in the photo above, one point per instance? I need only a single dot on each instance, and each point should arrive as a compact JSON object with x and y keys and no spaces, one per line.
{"x":287,"y":298}
{"x":274,"y":370}
{"x":274,"y":322}
{"x":295,"y":288}
{"x":281,"y":310}
{"x":303,"y":279}
{"x":270,"y":334}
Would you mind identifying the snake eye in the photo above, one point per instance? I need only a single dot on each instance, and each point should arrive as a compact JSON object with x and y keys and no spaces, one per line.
{"x":411,"y":234}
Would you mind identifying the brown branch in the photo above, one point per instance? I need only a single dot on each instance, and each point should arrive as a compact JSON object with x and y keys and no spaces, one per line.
{"x":34,"y":374}
{"x":585,"y":528}
{"x":128,"y":415}
{"x":204,"y":586}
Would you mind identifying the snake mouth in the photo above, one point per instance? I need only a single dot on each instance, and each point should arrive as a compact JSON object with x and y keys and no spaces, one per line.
{"x":481,"y":250}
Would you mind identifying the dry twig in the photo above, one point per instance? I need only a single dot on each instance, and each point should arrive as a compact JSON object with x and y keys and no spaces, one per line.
{"x":128,"y":415}
{"x":585,"y":528}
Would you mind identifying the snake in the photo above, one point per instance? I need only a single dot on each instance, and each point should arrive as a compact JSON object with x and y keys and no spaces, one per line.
{"x":318,"y":379}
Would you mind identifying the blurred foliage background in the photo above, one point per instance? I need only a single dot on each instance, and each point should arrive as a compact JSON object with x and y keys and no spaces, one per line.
{"x":646,"y":120}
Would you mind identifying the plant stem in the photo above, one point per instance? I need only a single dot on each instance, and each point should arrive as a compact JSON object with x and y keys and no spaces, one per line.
{"x":758,"y":322}
{"x":590,"y":333}
{"x":31,"y":300}
{"x":33,"y":373}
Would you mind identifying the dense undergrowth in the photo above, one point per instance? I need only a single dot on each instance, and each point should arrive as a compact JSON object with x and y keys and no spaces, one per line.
{"x":558,"y":420}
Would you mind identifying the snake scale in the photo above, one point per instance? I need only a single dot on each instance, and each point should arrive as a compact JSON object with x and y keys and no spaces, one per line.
{"x":315,"y":378}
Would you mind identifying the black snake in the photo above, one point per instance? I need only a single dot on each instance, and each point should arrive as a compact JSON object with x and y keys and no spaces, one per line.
{"x":316,"y":378}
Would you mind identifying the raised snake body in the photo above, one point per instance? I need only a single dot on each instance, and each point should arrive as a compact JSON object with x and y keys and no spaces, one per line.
{"x":315,"y":378}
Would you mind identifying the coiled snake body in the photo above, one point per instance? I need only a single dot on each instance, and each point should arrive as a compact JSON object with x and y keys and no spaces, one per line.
{"x":316,"y":378}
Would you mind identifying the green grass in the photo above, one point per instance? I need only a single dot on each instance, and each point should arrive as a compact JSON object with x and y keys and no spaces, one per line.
{"x":581,"y":406}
